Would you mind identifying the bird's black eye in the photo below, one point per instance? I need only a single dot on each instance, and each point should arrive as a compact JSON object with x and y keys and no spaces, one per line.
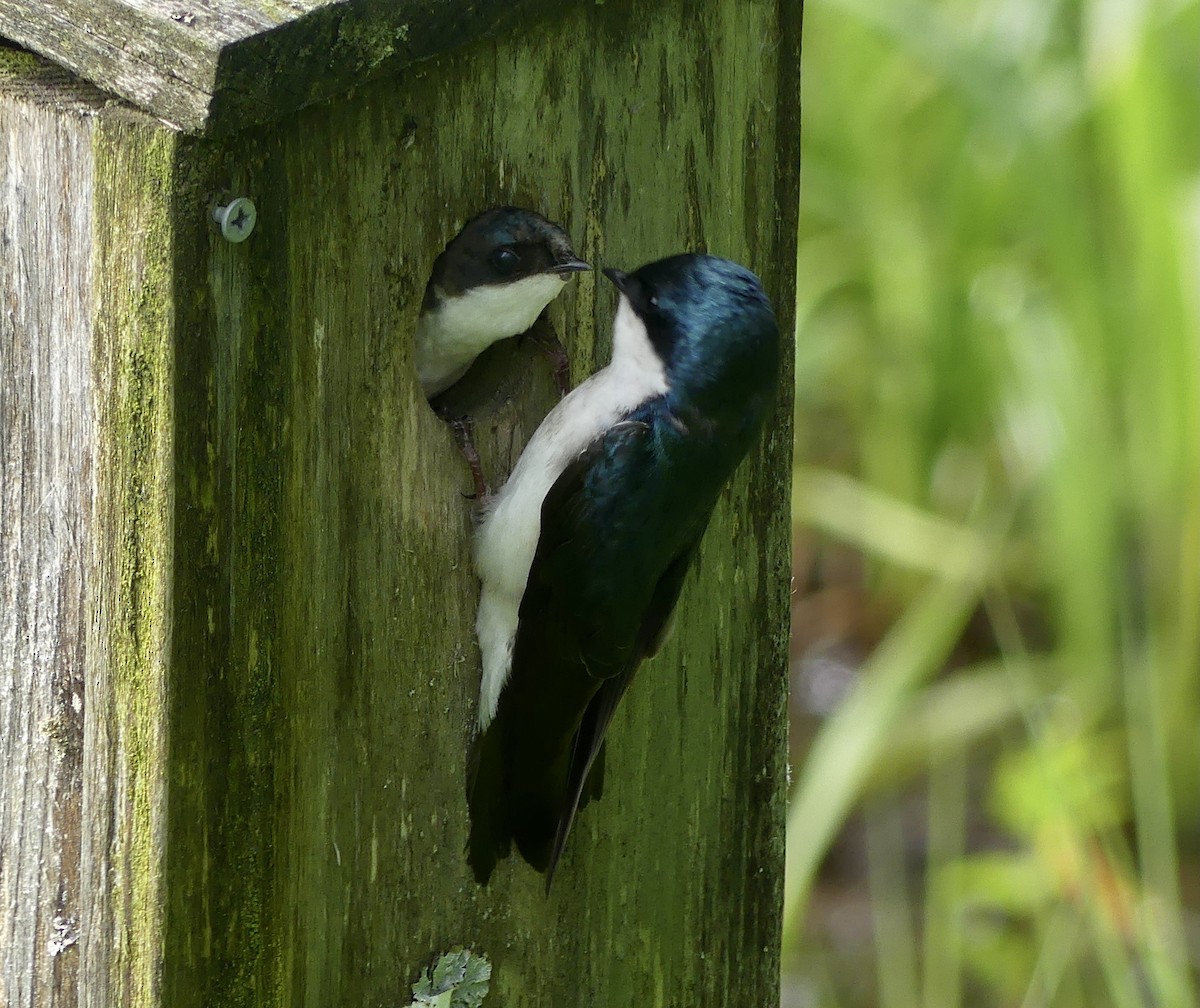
{"x":506,"y":260}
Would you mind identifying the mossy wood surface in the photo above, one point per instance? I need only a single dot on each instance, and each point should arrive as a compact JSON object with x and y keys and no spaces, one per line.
{"x":86,"y":489}
{"x":220,"y":66}
{"x":279,"y":670}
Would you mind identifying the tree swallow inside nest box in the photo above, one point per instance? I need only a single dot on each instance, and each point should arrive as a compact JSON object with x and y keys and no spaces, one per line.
{"x":583,"y":552}
{"x":492,"y":281}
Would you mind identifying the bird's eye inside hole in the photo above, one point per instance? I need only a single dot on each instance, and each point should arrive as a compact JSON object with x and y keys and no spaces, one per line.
{"x":506,"y":259}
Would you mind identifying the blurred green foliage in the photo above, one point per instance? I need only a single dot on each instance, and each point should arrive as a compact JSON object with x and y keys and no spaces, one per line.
{"x":998,"y":403}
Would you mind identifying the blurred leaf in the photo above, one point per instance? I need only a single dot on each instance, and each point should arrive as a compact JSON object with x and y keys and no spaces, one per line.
{"x":885,"y":525}
{"x":1077,"y":778}
{"x":847,"y":746}
{"x":947,"y":716}
{"x":1014,"y":883}
{"x":999,"y":285}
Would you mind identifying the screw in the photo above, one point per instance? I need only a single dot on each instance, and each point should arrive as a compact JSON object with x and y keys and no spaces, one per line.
{"x":236,"y":219}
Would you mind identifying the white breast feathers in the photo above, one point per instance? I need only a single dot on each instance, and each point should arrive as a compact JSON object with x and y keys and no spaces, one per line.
{"x":507,"y":537}
{"x":452,"y":335}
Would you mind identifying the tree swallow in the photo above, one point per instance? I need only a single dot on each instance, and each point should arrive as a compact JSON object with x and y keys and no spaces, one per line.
{"x":582,"y":553}
{"x":490,"y":282}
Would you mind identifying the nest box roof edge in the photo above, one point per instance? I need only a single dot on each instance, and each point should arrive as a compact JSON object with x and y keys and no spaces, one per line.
{"x":221,"y":66}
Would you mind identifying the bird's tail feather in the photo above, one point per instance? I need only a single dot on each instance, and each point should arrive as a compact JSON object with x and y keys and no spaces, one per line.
{"x":490,"y":837}
{"x":586,"y":755}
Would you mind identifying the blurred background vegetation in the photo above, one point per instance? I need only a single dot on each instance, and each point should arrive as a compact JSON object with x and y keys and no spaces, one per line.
{"x":996,"y":617}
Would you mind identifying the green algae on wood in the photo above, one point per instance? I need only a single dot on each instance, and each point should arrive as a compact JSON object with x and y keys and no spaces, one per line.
{"x":288,"y":597}
{"x":133,"y":348}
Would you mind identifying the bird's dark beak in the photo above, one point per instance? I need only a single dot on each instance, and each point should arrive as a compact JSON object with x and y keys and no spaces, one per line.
{"x":570,"y":266}
{"x":619,"y":279}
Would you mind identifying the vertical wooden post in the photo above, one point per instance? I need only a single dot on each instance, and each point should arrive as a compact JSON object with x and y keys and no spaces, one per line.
{"x":85,"y":519}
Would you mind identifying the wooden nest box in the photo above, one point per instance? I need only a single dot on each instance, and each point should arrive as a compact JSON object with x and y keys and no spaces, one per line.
{"x":240,"y":673}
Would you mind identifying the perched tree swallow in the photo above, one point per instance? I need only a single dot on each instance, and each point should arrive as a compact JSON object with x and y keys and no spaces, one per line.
{"x":582,"y":553}
{"x":491,"y":281}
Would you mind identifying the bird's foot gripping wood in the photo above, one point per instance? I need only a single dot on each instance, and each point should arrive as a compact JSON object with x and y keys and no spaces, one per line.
{"x":463,"y":429}
{"x":548,"y":344}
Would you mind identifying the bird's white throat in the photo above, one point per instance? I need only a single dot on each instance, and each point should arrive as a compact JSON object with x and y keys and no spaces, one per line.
{"x":507,"y":538}
{"x":462,"y":326}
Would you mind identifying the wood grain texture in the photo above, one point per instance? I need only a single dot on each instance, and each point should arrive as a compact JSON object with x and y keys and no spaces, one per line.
{"x":280,"y":576}
{"x":220,"y":66}
{"x":46,"y":470}
{"x":329,"y":707}
{"x":82,"y":510}
{"x":127,"y":732}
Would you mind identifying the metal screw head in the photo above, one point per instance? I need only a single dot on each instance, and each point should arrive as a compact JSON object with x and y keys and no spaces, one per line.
{"x":236,"y":219}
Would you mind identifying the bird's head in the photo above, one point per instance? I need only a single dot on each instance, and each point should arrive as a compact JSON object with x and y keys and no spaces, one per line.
{"x":501,"y":247}
{"x":711,"y":325}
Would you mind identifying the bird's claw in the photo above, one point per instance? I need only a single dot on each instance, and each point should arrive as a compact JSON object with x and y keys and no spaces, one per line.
{"x":560,"y":364}
{"x":463,"y":429}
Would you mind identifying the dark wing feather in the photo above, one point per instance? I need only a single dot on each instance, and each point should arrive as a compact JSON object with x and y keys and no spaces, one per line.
{"x":490,"y":838}
{"x":657,"y":620}
{"x":652,"y":525}
{"x":589,"y":740}
{"x":619,"y":529}
{"x":588,"y":746}
{"x":520,"y":764}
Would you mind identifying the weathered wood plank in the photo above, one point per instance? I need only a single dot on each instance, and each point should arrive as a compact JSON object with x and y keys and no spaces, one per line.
{"x":280,"y":673}
{"x":145,"y":56}
{"x":335,"y":540}
{"x":126,"y":730}
{"x":225,"y":65}
{"x":83,"y":490}
{"x":46,"y":469}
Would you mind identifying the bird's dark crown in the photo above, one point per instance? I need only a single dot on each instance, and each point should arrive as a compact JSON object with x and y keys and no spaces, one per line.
{"x":709,"y":320}
{"x":499,"y":246}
